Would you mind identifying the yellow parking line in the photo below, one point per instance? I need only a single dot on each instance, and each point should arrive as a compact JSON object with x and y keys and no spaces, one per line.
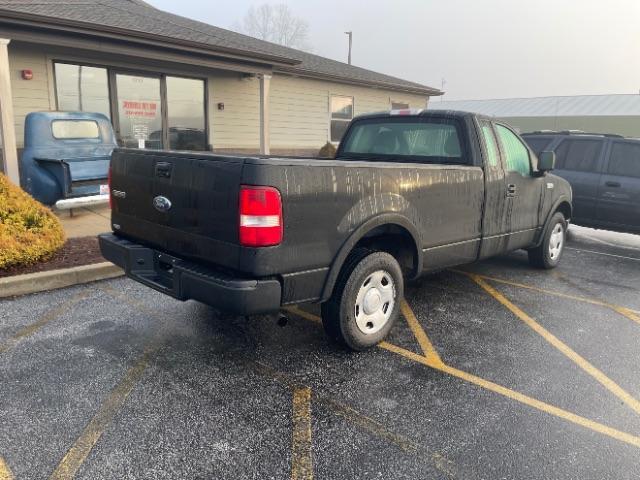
{"x":5,"y":471}
{"x":301,"y":461}
{"x":425,"y":344}
{"x":42,"y":321}
{"x":525,"y":399}
{"x":506,"y":392}
{"x":560,"y":345}
{"x":627,"y":312}
{"x":77,"y":454}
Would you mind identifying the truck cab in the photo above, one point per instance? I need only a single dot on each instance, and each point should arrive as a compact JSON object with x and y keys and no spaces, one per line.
{"x":66,"y":157}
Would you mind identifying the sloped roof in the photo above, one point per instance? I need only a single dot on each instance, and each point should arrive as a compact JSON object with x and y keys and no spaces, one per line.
{"x":136,"y":17}
{"x":568,"y":106}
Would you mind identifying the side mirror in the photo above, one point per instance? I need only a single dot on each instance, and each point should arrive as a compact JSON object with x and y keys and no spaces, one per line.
{"x":546,"y":161}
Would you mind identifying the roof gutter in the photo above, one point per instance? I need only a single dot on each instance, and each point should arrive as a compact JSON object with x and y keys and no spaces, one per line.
{"x":114,"y":33}
{"x":431,"y":92}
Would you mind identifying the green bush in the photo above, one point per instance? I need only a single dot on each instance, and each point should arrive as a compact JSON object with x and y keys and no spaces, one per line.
{"x":29,"y":231}
{"x":327,"y":151}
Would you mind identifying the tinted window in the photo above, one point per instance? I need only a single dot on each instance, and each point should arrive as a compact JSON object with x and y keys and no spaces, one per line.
{"x":490,"y":143}
{"x":62,"y":129}
{"x":435,"y":142}
{"x":537,"y":144}
{"x":578,"y":155}
{"x":516,"y":153}
{"x":625,"y":159}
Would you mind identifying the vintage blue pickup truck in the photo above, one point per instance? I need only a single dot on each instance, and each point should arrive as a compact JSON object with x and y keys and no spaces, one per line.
{"x":66,"y":158}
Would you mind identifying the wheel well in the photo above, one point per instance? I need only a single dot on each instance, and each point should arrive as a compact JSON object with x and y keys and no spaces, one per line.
{"x":395,"y":240}
{"x":565,"y":209}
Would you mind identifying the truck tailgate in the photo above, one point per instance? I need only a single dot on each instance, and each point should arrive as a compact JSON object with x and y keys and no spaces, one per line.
{"x":197,"y":217}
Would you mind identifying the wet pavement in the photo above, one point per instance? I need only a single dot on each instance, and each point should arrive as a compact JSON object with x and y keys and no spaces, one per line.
{"x":495,"y":370}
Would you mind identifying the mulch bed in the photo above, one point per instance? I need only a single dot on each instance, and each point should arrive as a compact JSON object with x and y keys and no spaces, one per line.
{"x":75,"y":252}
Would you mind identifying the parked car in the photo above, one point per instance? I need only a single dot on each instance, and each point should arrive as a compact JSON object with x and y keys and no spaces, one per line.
{"x":604,"y":172}
{"x":66,"y":157}
{"x":408,"y":192}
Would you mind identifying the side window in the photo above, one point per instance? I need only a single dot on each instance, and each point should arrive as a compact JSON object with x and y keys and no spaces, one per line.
{"x":516,"y":153}
{"x":537,"y":144}
{"x":578,"y":155}
{"x":493,"y":157}
{"x":625,"y":159}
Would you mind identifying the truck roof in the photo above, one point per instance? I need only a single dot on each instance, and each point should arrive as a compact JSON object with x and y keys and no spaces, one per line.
{"x":421,"y":112}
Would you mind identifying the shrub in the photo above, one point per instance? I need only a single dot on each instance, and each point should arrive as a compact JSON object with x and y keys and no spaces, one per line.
{"x":29,"y":231}
{"x":327,"y":151}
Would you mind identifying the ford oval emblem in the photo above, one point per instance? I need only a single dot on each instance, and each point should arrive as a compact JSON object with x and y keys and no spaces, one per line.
{"x":162,"y":204}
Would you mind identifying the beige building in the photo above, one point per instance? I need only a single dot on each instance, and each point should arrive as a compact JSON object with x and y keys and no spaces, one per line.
{"x":170,"y":82}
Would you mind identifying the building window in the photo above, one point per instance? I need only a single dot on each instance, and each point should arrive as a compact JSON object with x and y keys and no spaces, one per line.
{"x":139,"y":111}
{"x":82,"y":89}
{"x":185,"y":114}
{"x":341,"y":109}
{"x":147,"y":110}
{"x":399,"y":105}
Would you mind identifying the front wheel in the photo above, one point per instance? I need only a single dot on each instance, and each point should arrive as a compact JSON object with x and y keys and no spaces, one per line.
{"x":365,"y":301}
{"x":547,"y":254}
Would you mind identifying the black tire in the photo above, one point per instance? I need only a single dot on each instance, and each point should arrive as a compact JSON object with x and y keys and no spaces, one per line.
{"x":541,"y":256}
{"x":339,"y":312}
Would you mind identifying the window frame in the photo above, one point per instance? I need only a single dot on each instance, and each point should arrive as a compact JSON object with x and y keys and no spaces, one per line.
{"x":460,"y":127}
{"x":353,"y":114}
{"x":408,"y":105}
{"x":503,"y":154}
{"x":113,"y":70}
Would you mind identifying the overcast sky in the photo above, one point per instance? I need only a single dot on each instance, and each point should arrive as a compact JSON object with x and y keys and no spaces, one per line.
{"x":482,"y":48}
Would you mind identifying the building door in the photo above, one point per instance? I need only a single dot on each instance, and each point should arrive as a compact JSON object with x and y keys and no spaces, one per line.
{"x":139,"y":111}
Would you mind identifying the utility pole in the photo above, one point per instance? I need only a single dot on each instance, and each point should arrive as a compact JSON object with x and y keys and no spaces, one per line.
{"x":350,"y":33}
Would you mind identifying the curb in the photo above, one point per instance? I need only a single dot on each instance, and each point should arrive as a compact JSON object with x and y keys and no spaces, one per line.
{"x":54,"y":279}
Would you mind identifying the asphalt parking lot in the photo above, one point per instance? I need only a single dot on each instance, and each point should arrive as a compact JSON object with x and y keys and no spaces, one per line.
{"x":495,"y":371}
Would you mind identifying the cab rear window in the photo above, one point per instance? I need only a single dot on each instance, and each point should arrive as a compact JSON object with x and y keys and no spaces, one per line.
{"x":428,"y":140}
{"x":74,"y":129}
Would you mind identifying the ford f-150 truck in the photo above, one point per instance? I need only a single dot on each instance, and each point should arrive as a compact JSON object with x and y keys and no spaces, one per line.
{"x":408,"y":192}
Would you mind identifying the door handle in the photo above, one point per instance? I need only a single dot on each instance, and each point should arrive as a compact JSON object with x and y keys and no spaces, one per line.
{"x":511,"y":190}
{"x":612,"y":184}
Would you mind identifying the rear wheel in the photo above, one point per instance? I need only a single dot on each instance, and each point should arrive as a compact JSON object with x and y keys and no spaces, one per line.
{"x":547,"y":254}
{"x":365,"y":301}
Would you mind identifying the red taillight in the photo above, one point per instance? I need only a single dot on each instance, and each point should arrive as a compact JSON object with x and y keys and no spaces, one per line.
{"x":109,"y":186}
{"x":260,"y":216}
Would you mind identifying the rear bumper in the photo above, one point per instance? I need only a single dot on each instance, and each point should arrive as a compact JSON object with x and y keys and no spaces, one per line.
{"x":185,"y":280}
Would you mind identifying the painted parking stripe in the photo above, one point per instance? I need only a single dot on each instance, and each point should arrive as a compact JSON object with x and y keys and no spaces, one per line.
{"x":5,"y":471}
{"x":603,"y":253}
{"x":78,"y":453}
{"x":625,"y":311}
{"x":504,"y":391}
{"x":567,"y":351}
{"x":48,"y":316}
{"x":301,"y":461}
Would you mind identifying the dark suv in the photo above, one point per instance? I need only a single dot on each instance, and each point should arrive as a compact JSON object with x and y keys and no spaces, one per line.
{"x":604,"y":172}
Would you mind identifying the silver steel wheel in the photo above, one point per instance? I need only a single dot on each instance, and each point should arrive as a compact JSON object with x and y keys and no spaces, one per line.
{"x":556,"y":241}
{"x":375,"y":301}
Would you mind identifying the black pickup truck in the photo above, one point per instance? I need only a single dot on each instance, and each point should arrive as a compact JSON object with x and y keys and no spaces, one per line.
{"x":409,"y":192}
